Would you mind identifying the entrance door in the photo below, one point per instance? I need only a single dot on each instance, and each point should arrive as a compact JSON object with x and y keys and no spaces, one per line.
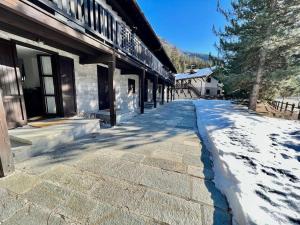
{"x":103,"y":87}
{"x":10,"y":85}
{"x":47,"y":77}
{"x":67,"y":84}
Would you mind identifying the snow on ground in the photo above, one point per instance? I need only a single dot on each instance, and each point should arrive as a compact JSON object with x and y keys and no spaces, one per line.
{"x":256,"y":162}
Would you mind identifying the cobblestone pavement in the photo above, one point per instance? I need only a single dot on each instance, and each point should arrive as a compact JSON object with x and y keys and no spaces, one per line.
{"x":151,"y":170}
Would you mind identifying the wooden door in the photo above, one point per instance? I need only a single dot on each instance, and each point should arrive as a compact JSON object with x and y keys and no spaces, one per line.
{"x":10,"y":85}
{"x":67,"y":86}
{"x":6,"y":159}
{"x":103,"y":90}
{"x":48,"y":83}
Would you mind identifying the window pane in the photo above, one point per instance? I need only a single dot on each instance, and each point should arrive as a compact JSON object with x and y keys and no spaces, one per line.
{"x":46,"y":65}
{"x":49,"y":86}
{"x":131,"y":86}
{"x":51,"y":106}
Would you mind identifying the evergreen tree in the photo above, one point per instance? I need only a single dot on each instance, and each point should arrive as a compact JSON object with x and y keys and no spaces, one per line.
{"x":260,"y":41}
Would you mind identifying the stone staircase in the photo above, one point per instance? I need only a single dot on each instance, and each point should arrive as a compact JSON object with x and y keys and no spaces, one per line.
{"x":149,"y":105}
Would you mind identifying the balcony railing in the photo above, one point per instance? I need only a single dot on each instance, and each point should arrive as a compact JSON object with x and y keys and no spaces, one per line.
{"x":91,"y":17}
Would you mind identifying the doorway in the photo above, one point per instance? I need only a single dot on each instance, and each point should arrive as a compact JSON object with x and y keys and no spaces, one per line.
{"x":35,"y":84}
{"x":103,"y":90}
{"x":38,"y":82}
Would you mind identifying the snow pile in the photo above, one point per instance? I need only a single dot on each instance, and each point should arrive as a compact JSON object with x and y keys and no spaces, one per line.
{"x":256,"y":162}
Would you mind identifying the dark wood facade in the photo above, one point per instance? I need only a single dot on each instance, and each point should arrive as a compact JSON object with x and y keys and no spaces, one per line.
{"x":89,"y":30}
{"x":10,"y":83}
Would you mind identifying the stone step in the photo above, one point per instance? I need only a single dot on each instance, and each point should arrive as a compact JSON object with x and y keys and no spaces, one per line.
{"x":31,"y":141}
{"x":148,"y":105}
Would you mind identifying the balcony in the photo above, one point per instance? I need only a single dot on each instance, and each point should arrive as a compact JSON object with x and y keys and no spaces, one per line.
{"x":89,"y":16}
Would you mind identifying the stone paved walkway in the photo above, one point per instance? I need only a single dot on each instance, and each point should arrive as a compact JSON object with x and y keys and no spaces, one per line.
{"x":151,"y":170}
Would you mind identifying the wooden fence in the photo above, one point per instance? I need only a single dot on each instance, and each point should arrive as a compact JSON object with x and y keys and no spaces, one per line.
{"x":286,"y":107}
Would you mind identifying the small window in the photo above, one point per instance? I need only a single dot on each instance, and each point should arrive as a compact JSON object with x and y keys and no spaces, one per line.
{"x":131,"y":86}
{"x":208,"y":80}
{"x":218,"y":92}
{"x":207,"y":91}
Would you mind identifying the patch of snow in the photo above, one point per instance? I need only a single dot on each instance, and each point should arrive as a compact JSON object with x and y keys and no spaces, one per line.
{"x":256,"y":162}
{"x":199,"y":73}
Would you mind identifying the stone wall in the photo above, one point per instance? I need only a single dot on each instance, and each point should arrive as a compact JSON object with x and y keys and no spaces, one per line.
{"x":150,"y":91}
{"x":127,"y":103}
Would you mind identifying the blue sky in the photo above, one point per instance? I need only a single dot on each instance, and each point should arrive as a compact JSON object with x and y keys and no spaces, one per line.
{"x":185,"y":23}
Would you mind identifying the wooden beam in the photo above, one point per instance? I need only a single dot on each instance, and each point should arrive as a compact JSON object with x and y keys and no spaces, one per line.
{"x":104,"y":59}
{"x":163,"y":93}
{"x":129,"y":71}
{"x":168,"y":90}
{"x":155,"y":82}
{"x":6,"y":158}
{"x":112,"y":90}
{"x":26,"y":16}
{"x":142,"y":87}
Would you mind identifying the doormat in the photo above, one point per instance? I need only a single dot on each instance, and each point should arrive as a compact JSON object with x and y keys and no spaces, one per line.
{"x":42,"y":124}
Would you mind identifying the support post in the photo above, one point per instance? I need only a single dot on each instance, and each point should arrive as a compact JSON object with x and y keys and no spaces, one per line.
{"x":112,"y":91}
{"x":163,"y":93}
{"x":155,"y":91}
{"x":142,"y":85}
{"x":168,"y":93}
{"x":6,"y":158}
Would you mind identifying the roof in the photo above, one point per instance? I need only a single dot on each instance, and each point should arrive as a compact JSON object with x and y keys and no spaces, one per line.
{"x":199,"y":73}
{"x":132,"y":14}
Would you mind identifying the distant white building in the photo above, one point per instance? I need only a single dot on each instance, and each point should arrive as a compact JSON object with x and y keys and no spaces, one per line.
{"x":197,"y":84}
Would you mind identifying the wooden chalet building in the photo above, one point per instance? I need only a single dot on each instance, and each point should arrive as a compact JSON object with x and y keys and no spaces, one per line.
{"x":60,"y":58}
{"x":198,"y":83}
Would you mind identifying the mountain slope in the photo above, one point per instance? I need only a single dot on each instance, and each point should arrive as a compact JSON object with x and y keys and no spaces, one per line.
{"x":185,"y":60}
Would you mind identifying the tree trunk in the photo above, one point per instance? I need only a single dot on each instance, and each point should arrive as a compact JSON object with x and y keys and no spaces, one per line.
{"x":259,"y":74}
{"x":261,"y":65}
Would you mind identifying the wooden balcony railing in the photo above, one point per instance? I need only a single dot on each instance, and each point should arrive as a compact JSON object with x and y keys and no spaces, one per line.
{"x":91,"y":17}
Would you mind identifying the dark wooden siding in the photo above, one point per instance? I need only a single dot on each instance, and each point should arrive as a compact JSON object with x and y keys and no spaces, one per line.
{"x":67,"y":83}
{"x":10,"y":86}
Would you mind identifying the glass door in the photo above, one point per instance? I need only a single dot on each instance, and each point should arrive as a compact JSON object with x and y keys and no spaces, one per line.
{"x":47,"y":83}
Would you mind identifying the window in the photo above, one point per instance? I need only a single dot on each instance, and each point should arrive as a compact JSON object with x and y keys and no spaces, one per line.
{"x":207,"y":92}
{"x":131,"y":86}
{"x":208,"y":80}
{"x":218,"y":92}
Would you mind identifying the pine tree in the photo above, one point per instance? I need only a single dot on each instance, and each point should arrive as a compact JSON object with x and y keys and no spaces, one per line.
{"x":261,"y":38}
